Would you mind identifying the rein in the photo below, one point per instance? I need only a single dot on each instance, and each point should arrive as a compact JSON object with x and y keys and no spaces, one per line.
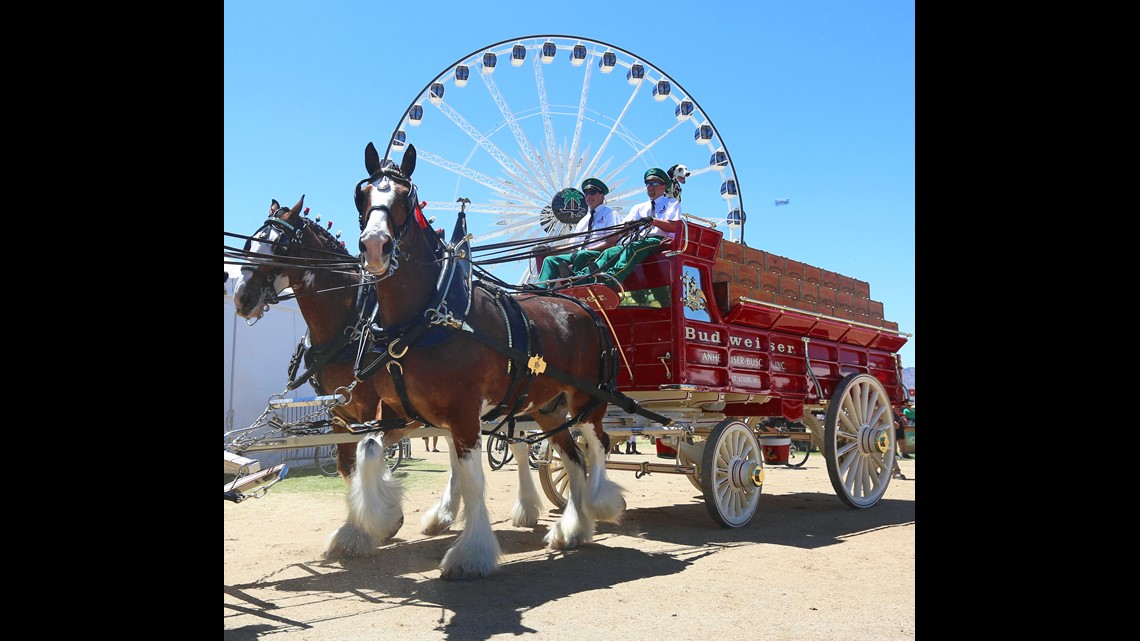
{"x":293,"y":236}
{"x":317,"y":356}
{"x":399,"y":340}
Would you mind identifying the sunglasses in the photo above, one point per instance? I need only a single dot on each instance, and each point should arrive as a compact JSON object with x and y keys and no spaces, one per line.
{"x":591,"y":190}
{"x":653,"y":183}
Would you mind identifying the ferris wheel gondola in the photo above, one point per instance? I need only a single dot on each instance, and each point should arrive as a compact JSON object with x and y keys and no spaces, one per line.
{"x":509,"y":142}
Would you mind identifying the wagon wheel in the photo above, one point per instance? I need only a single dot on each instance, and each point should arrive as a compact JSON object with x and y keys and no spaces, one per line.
{"x":552,"y":474}
{"x":498,"y":451}
{"x":732,"y":473}
{"x":535,"y":454}
{"x":393,"y":454}
{"x":859,"y":440}
{"x":798,"y":453}
{"x":511,"y":125}
{"x":326,"y":456}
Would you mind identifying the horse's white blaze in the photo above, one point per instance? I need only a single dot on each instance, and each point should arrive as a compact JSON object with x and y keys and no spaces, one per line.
{"x":265,"y":247}
{"x":242,"y":291}
{"x":375,"y":235}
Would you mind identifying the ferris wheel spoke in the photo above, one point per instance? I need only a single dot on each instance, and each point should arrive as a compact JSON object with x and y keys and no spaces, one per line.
{"x":646,"y":149}
{"x":702,"y":171}
{"x":547,"y":123}
{"x":493,"y":184}
{"x":491,"y":148}
{"x":512,"y":123}
{"x":511,"y":231}
{"x":613,"y":128}
{"x":578,"y":120}
{"x":506,"y":210}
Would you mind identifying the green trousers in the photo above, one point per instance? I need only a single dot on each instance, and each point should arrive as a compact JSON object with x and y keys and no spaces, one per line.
{"x":573,"y":263}
{"x":618,"y":261}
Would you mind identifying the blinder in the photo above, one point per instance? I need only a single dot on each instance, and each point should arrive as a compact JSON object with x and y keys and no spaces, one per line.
{"x":292,"y":235}
{"x":392,"y":172}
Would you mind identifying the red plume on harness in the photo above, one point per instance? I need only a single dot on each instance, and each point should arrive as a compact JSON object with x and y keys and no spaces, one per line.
{"x":420,"y":215}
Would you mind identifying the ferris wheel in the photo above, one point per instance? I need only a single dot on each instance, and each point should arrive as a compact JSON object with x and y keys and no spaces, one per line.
{"x":509,"y":126}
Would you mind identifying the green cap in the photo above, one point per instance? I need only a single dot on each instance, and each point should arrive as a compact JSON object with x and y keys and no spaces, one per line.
{"x":596,"y":183}
{"x":659,"y":174}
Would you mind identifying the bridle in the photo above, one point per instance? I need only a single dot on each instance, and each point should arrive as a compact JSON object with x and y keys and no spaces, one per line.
{"x":292,"y":235}
{"x":392,"y":172}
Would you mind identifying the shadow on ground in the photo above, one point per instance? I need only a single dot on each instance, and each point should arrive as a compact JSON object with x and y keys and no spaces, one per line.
{"x":405,"y":573}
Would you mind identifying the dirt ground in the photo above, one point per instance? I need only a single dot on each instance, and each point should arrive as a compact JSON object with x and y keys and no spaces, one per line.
{"x":807,"y":568}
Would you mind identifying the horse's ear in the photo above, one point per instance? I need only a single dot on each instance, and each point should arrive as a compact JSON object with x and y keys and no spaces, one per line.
{"x":371,"y":159}
{"x":274,"y":206}
{"x":300,"y":204}
{"x":408,"y":162}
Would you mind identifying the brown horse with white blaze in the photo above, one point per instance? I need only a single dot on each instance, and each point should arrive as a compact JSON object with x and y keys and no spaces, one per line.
{"x":293,"y":252}
{"x":522,"y":355}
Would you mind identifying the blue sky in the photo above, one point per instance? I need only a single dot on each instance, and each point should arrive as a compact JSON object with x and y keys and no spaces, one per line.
{"x":813,"y":100}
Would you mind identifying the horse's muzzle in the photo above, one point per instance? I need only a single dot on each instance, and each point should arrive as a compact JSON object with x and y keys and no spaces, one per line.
{"x":376,"y":251}
{"x":248,"y":301}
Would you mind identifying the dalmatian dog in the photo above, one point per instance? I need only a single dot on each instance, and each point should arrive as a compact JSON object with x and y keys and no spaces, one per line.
{"x":678,"y":173}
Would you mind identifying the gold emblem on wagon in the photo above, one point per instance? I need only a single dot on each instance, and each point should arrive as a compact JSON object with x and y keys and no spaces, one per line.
{"x":694,"y":298}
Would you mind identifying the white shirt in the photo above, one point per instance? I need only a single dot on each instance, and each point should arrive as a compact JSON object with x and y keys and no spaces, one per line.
{"x":664,"y":208}
{"x":603,"y":217}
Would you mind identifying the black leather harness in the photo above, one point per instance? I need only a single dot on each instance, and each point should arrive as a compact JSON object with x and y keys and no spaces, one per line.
{"x":444,"y":318}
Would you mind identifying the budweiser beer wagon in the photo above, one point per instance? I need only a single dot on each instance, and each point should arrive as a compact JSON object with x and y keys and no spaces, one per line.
{"x":717,"y":336}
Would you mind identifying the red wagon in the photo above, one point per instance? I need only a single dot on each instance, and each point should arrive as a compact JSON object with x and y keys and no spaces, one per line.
{"x":717,"y":337}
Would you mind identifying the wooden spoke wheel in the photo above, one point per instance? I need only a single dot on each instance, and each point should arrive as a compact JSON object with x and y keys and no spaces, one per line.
{"x":552,"y":474}
{"x":859,"y":440}
{"x":732,"y":473}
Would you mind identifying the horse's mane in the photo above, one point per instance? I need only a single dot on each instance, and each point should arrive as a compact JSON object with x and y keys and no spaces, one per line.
{"x":326,"y":237}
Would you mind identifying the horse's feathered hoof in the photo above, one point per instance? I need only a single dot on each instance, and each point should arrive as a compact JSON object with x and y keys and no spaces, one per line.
{"x":525,"y":515}
{"x":433,"y":523}
{"x":465,"y":574}
{"x":562,"y":538}
{"x":608,"y":505}
{"x":472,"y":557}
{"x":348,"y":542}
